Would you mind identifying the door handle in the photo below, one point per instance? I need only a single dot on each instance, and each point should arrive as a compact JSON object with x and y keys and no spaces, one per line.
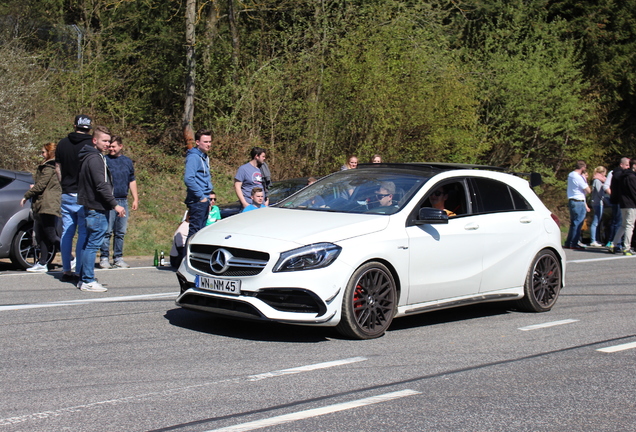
{"x":471,"y":226}
{"x":525,"y":220}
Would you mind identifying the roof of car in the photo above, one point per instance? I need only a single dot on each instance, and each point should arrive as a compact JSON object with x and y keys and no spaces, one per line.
{"x":439,"y":165}
{"x":18,"y":175}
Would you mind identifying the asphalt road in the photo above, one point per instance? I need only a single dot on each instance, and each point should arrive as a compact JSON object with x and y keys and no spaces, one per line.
{"x":130,"y":360}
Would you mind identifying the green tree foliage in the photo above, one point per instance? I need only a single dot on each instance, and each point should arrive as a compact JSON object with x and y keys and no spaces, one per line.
{"x":538,"y":109}
{"x":607,"y":31}
{"x":402,"y":93}
{"x":19,"y":90}
{"x":337,"y":77}
{"x":528,"y":84}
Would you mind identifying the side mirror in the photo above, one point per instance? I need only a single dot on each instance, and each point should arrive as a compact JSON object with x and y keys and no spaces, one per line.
{"x":429,"y":215}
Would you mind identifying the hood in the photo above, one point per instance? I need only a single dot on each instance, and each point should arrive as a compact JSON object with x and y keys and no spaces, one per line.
{"x":80,"y":139}
{"x":87,"y":150}
{"x":195,"y":151}
{"x":281,"y":229}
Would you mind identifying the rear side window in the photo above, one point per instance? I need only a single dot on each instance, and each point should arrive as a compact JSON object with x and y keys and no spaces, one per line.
{"x":519,"y":200}
{"x":4,"y":181}
{"x":495,"y":196}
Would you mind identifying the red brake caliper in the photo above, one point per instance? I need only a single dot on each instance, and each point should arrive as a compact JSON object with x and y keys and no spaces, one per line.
{"x":358,"y":295}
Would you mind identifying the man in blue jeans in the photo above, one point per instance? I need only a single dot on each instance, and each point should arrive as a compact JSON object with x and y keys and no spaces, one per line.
{"x":198,"y":181}
{"x":67,"y":169}
{"x":96,"y":195}
{"x":123,"y":172}
{"x":577,"y":189}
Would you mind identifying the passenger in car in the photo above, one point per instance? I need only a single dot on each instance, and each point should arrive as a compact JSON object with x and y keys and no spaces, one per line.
{"x":438,"y":200}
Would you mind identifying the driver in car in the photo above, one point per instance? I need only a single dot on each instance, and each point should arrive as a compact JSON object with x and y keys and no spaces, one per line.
{"x":384,"y":194}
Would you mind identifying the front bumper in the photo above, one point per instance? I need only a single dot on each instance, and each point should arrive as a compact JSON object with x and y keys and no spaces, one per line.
{"x":272,"y":297}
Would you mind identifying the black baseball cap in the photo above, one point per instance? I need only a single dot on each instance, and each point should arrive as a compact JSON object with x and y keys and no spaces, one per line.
{"x":83,"y":122}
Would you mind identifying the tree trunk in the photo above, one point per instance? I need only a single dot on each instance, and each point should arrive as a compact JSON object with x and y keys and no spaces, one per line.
{"x":317,"y":119}
{"x":211,"y":33}
{"x":188,"y":110}
{"x":235,"y":39}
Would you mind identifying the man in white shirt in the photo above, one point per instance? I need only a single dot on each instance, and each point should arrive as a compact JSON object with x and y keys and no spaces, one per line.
{"x":577,"y":189}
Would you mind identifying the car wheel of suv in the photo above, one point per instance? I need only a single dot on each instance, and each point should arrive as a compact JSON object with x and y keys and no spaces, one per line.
{"x":369,"y":302}
{"x":543,"y":283}
{"x":25,"y":251}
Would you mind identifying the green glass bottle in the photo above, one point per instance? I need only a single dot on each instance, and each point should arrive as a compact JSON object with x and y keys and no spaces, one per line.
{"x":156,"y":258}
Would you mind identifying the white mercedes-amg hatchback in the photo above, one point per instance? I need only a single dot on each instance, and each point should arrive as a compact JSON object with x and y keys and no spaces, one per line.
{"x":361,"y":247}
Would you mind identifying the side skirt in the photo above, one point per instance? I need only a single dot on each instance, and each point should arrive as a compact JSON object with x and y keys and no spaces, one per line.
{"x":451,"y":303}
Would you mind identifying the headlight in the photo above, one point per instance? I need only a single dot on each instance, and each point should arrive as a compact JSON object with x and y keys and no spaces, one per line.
{"x":310,"y":257}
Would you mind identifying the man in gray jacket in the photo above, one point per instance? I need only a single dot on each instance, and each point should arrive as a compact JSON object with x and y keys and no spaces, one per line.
{"x":95,"y":193}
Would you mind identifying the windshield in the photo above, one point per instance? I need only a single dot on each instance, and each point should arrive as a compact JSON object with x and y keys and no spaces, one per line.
{"x":358,"y":191}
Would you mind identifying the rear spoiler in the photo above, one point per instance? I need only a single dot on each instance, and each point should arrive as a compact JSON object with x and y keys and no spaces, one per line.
{"x":534,"y":178}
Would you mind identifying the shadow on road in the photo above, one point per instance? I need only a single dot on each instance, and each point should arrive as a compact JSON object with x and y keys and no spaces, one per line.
{"x":244,"y":329}
{"x":275,"y":332}
{"x":451,"y":315}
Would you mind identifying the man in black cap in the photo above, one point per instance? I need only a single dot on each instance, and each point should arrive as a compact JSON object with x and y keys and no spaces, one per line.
{"x":67,"y":166}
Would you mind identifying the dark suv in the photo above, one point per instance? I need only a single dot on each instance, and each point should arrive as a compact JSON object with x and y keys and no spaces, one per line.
{"x":17,"y":241}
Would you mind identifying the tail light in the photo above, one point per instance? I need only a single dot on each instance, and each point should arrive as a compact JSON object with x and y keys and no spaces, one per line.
{"x":555,"y":219}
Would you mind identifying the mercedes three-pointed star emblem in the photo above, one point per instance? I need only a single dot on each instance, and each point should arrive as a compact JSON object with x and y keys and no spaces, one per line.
{"x":220,"y":260}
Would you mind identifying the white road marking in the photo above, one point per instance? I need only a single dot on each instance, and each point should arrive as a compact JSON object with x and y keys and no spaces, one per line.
{"x":305,"y":368}
{"x":548,"y":324}
{"x":616,"y":348}
{"x":164,"y":393}
{"x":599,"y":259}
{"x":87,"y":301}
{"x":301,"y":415}
{"x":30,"y":274}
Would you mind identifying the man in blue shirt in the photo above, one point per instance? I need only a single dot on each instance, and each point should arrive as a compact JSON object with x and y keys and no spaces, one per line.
{"x":198,"y":181}
{"x":257,"y":200}
{"x":123,"y":172}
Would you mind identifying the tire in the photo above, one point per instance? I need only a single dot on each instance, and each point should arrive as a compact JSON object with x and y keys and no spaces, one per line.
{"x":543,"y":283}
{"x":25,"y":251}
{"x":369,"y":302}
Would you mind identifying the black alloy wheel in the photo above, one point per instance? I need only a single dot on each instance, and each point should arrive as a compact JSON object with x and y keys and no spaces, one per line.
{"x":369,"y":302}
{"x":543,"y":283}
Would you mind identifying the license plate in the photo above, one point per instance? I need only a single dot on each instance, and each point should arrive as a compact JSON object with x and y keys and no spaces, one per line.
{"x":227,"y":286}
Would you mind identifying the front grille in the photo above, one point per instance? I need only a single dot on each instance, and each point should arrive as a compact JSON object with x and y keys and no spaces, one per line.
{"x":243,"y":262}
{"x":292,"y":300}
{"x":219,"y":305}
